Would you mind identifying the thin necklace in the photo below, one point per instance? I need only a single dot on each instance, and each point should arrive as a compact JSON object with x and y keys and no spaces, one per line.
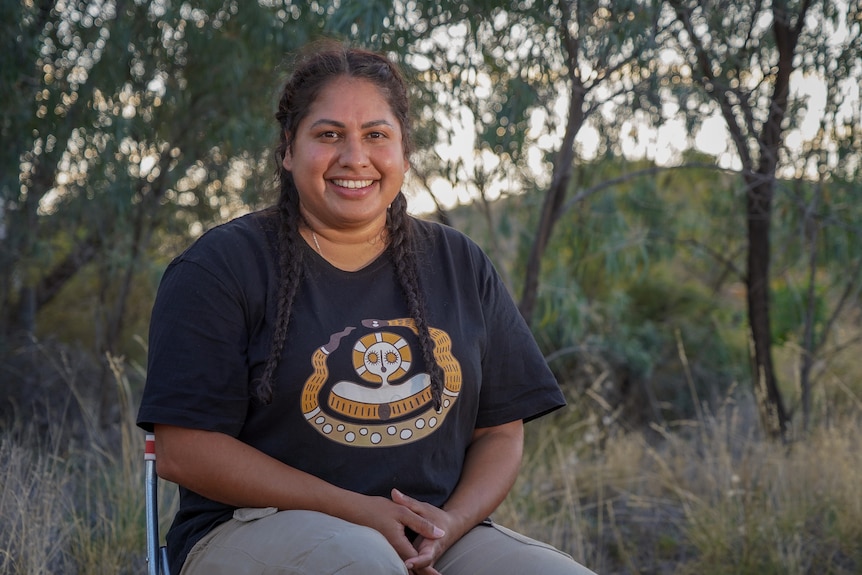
{"x":316,"y":243}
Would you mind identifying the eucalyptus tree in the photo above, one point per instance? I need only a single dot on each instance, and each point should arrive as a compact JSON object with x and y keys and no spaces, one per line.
{"x":125,"y":122}
{"x":530,"y":75}
{"x":740,"y":58}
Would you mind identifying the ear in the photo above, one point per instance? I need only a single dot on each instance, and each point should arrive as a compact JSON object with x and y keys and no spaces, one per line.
{"x":406,"y":164}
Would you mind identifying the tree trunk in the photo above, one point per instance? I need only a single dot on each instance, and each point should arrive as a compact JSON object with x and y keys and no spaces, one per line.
{"x":550,"y":212}
{"x":563,"y":164}
{"x":759,"y":210}
{"x":761,"y":186}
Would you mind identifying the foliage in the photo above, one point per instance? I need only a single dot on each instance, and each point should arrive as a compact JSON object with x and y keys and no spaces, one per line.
{"x":132,"y":126}
{"x":624,"y":287}
{"x":739,"y":62}
{"x":130,"y":120}
{"x":638,"y":271}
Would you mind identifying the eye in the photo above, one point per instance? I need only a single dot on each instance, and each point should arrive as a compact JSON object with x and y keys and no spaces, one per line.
{"x":329,"y":135}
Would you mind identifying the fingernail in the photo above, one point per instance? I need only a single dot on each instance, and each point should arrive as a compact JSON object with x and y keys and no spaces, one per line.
{"x":439,"y":532}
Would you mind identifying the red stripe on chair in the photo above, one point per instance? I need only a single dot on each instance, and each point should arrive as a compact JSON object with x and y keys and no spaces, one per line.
{"x":150,"y":447}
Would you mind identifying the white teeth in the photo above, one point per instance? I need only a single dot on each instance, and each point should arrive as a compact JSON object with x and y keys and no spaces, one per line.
{"x":353,"y":184}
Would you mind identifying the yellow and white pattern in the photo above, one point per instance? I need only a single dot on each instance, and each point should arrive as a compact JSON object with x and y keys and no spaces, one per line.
{"x":384,"y":407}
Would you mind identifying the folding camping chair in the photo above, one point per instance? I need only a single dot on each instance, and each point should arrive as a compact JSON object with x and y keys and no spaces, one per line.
{"x":157,"y":556}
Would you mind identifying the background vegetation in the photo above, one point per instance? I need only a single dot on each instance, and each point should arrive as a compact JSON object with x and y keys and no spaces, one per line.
{"x":670,"y":188}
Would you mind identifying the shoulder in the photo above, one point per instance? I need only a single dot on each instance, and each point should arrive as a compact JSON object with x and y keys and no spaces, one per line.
{"x":442,"y":239}
{"x":252,"y":228}
{"x":251,"y":236}
{"x":429,"y":228}
{"x":235,"y":255}
{"x":446,"y":255}
{"x":232,"y":266}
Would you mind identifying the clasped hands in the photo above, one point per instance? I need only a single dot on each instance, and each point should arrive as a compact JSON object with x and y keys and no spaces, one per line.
{"x":436,"y":529}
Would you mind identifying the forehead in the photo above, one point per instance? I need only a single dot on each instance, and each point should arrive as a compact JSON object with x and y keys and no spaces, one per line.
{"x":345,"y":98}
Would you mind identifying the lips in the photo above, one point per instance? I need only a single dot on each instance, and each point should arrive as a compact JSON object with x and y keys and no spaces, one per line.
{"x":353,"y":184}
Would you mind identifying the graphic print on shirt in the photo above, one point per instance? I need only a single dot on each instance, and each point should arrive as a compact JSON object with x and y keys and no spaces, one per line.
{"x":385,"y":405}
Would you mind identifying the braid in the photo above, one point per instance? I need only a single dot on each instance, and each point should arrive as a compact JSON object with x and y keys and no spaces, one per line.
{"x":407,"y":268}
{"x":289,"y":276}
{"x":313,"y":71}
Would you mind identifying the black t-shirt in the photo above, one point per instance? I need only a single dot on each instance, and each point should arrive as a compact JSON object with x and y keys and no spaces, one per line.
{"x":351,"y":402}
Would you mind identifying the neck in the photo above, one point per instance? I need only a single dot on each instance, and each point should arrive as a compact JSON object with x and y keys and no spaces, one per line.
{"x":346,"y":251}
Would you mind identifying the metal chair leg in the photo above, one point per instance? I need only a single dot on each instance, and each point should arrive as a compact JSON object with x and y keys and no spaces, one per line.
{"x":157,"y":557}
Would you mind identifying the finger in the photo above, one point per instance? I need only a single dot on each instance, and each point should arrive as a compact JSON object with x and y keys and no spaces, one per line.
{"x":424,"y":527}
{"x":412,"y":504}
{"x":417,"y":522}
{"x":423,"y":571}
{"x":420,"y":567}
{"x":403,"y":547}
{"x":402,"y":499}
{"x":427,"y":554}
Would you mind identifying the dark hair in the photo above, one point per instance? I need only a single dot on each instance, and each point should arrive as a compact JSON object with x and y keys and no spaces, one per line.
{"x":312,"y":72}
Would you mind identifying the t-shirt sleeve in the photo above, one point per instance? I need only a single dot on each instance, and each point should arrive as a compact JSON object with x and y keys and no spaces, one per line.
{"x":197,"y":372}
{"x":516,"y":380}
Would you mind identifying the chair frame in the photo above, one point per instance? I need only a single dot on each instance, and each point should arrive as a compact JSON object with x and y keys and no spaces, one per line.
{"x":157,"y":556}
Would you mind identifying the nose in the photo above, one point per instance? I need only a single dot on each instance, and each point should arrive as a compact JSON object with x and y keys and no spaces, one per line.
{"x":353,"y":153}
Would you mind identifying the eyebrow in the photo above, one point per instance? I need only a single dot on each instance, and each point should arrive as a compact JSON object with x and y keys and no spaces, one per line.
{"x":337,"y":124}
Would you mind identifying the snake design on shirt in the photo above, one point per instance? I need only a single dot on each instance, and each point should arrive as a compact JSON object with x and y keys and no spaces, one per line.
{"x":383,"y":413}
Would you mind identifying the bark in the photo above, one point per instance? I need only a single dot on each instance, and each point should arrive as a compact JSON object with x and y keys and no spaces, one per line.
{"x":563,"y":165}
{"x":759,"y":207}
{"x":761,"y":185}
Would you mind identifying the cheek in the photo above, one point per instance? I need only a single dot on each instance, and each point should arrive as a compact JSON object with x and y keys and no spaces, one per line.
{"x":311,"y":161}
{"x":394,"y":161}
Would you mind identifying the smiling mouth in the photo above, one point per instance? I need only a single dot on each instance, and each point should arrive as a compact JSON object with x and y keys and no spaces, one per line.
{"x":353,"y":184}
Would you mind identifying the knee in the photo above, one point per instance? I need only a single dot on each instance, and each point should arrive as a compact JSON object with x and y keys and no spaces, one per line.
{"x":496,"y":550}
{"x":551,"y":562}
{"x":359,"y":550}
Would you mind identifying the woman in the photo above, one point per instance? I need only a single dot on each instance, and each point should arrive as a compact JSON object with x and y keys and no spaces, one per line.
{"x":338,"y":387}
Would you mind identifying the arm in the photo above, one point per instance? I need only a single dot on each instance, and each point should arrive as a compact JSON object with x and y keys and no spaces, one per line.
{"x":490,"y":469}
{"x":225,"y":469}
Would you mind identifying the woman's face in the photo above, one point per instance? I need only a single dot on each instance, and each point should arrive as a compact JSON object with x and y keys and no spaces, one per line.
{"x":347,"y":157}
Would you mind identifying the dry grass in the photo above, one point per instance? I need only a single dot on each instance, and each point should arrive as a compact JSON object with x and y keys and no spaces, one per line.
{"x":74,"y":509}
{"x":709,"y":497}
{"x":33,"y":511}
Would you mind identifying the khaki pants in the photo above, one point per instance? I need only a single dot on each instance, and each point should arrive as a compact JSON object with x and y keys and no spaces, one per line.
{"x":267,"y":542}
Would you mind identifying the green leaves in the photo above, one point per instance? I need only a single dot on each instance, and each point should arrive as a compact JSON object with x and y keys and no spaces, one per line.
{"x":366,"y":23}
{"x":126,"y":121}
